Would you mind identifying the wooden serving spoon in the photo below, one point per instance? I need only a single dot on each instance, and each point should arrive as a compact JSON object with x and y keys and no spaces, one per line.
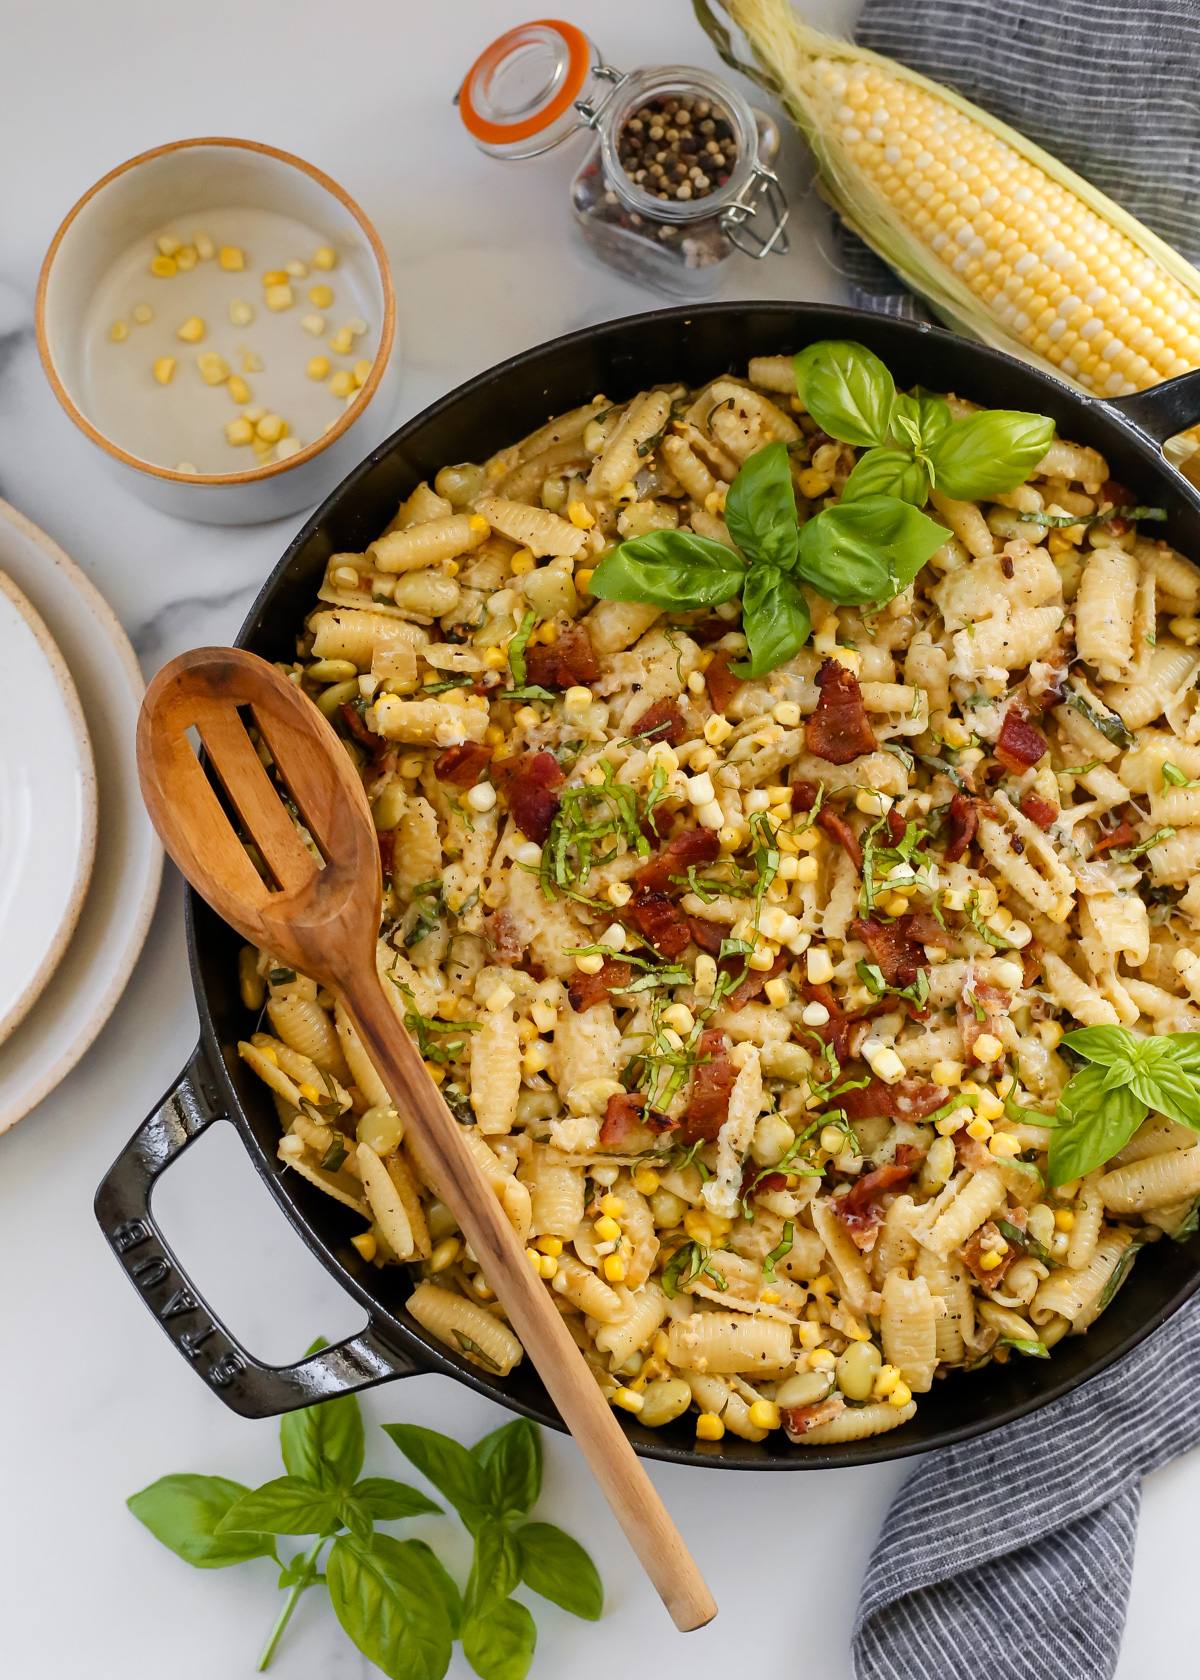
{"x":324,"y":921}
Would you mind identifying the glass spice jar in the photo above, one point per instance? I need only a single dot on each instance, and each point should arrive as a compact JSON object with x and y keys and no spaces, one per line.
{"x":679,"y":178}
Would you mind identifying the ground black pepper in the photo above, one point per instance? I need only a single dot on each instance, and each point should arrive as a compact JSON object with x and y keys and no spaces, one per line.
{"x":678,"y":146}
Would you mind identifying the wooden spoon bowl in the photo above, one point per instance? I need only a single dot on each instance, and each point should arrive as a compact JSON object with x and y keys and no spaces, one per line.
{"x":322,"y":918}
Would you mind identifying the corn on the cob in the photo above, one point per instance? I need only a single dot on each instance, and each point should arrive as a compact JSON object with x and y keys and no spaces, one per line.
{"x":1006,"y":243}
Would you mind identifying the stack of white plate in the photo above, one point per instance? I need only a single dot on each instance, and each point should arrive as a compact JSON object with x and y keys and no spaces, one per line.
{"x":79,"y":861}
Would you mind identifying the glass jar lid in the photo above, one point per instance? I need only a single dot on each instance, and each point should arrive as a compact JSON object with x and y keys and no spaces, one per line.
{"x":520,"y":95}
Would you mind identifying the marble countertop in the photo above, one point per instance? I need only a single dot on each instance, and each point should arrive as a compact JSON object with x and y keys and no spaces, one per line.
{"x":93,"y":1403}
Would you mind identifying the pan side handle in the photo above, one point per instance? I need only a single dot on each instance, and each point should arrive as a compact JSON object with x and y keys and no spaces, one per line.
{"x":1162,"y":411}
{"x":245,"y":1384}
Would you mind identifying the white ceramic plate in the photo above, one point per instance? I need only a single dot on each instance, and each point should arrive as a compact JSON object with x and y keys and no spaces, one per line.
{"x":82,"y":992}
{"x":47,"y":806}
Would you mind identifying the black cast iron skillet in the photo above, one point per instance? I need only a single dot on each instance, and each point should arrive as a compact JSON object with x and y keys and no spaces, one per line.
{"x":487,"y":413}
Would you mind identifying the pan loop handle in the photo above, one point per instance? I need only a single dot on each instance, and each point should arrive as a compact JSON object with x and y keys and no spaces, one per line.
{"x":244,"y":1383}
{"x":1162,"y":411}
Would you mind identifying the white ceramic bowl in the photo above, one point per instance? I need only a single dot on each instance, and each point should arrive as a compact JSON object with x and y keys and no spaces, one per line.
{"x":97,"y":267}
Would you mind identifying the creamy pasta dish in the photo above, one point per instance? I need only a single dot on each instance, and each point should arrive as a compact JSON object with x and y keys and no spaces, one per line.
{"x":788,"y":800}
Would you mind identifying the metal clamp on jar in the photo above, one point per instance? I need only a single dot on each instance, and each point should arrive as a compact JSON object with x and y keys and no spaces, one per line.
{"x":679,"y":176}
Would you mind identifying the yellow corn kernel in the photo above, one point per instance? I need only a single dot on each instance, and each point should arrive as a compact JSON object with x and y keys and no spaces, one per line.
{"x":764,"y":1414}
{"x":205,"y":249}
{"x":989,"y":1262}
{"x":232,"y":258}
{"x":324,"y":257}
{"x":821,"y":1359}
{"x":548,"y":1267}
{"x":709,"y":1427}
{"x":239,"y":391}
{"x":583,"y":577}
{"x":717,"y":730}
{"x":163,"y":267}
{"x":214,"y":369}
{"x":607,"y":1229}
{"x":318,"y":368}
{"x":275,"y":277}
{"x":119,"y":332}
{"x":314,"y":324}
{"x":645,"y":1181}
{"x":614,"y":1268}
{"x":296,"y":269}
{"x":1064,"y":1219}
{"x":361,"y":371}
{"x":271,"y":428}
{"x":522,"y":562}
{"x":342,"y":383}
{"x":548,"y":1245}
{"x":239,"y":432}
{"x":534,"y":1258}
{"x":309,"y":1093}
{"x":321,"y":296}
{"x":168,"y":244}
{"x":979,"y":1128}
{"x":185,"y":259}
{"x":814,"y":483}
{"x":445,"y":1254}
{"x":771,"y":1297}
{"x":342,"y":342}
{"x":142,"y":314}
{"x":278,"y":297}
{"x":252,"y":362}
{"x":900,"y":1395}
{"x":628,"y":1400}
{"x":192,"y":330}
{"x":580,"y":516}
{"x":366,"y":1245}
{"x":164,"y":369}
{"x":1003,"y":1145}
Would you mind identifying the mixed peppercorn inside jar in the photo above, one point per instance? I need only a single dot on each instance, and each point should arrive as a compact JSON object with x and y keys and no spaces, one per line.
{"x":678,"y":146}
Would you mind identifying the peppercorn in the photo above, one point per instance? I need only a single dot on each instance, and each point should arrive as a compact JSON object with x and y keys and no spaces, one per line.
{"x":658,"y":147}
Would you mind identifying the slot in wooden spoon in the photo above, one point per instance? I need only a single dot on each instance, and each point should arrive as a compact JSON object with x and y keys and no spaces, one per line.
{"x":324,"y":921}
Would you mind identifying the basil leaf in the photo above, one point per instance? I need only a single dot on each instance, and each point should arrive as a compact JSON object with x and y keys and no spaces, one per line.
{"x":1184,"y":1049}
{"x":866,"y":550}
{"x":1033,"y":1350}
{"x":419,"y":1563}
{"x":403,"y":1630}
{"x":557,"y":1567}
{"x":1119,"y":1273}
{"x":674,"y":569}
{"x":516,"y":648}
{"x":760,"y":509}
{"x":448,"y":1466}
{"x":323,"y":1444}
{"x":931,"y":413}
{"x":847,"y":390}
{"x":287,"y":1505}
{"x":1093,"y":1124}
{"x":511,"y":1458}
{"x":500,"y":1645}
{"x":987,"y":453}
{"x":495,"y":1570}
{"x":888,"y":472}
{"x":775,"y":620}
{"x":1105,"y":1045}
{"x":386,"y":1501}
{"x":1162,"y":1084}
{"x":184,"y":1513}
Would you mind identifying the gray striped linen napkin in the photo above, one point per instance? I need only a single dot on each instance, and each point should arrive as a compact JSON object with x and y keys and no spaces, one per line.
{"x":1010,"y":1556}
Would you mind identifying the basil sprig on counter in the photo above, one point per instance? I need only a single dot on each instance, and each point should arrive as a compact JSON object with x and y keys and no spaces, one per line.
{"x":913,"y":442}
{"x":393,"y":1597}
{"x":850,"y":555}
{"x":1106,"y":1101}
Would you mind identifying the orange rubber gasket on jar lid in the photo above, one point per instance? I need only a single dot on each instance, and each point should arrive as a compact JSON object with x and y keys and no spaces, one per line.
{"x":497,"y":134}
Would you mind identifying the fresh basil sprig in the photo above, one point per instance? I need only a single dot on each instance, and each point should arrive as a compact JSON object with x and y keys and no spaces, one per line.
{"x":849,"y":555}
{"x":1106,"y":1101}
{"x":913,"y":442}
{"x":393,"y":1597}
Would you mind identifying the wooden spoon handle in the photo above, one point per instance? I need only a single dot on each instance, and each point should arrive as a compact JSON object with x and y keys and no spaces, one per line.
{"x":536,"y":1320}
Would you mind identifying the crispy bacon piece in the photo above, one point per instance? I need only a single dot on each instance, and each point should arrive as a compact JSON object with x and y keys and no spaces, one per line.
{"x":839,"y":829}
{"x":896,"y":826}
{"x":898,"y":954}
{"x":1040,"y":811}
{"x":387,"y":850}
{"x":357,"y":726}
{"x":586,"y":989}
{"x":907,"y":1099}
{"x":798,"y":1420}
{"x":838,"y":730}
{"x":1020,"y":745}
{"x":567,"y":663}
{"x":709,"y":935}
{"x":532,"y":782}
{"x":995,"y":1005}
{"x":661,"y":722}
{"x":463,"y":765}
{"x":859,"y":1209}
{"x":661,"y":921}
{"x":708,"y":1099}
{"x":722,"y":684}
{"x":964,"y":820}
{"x":756,"y":979}
{"x":694,"y":845}
{"x":1122,"y":835}
{"x":1031,"y":964}
{"x":804,"y":795}
{"x":501,"y":931}
{"x":623,"y":1113}
{"x":708,"y":630}
{"x":974,"y":1251}
{"x":924,"y":927}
